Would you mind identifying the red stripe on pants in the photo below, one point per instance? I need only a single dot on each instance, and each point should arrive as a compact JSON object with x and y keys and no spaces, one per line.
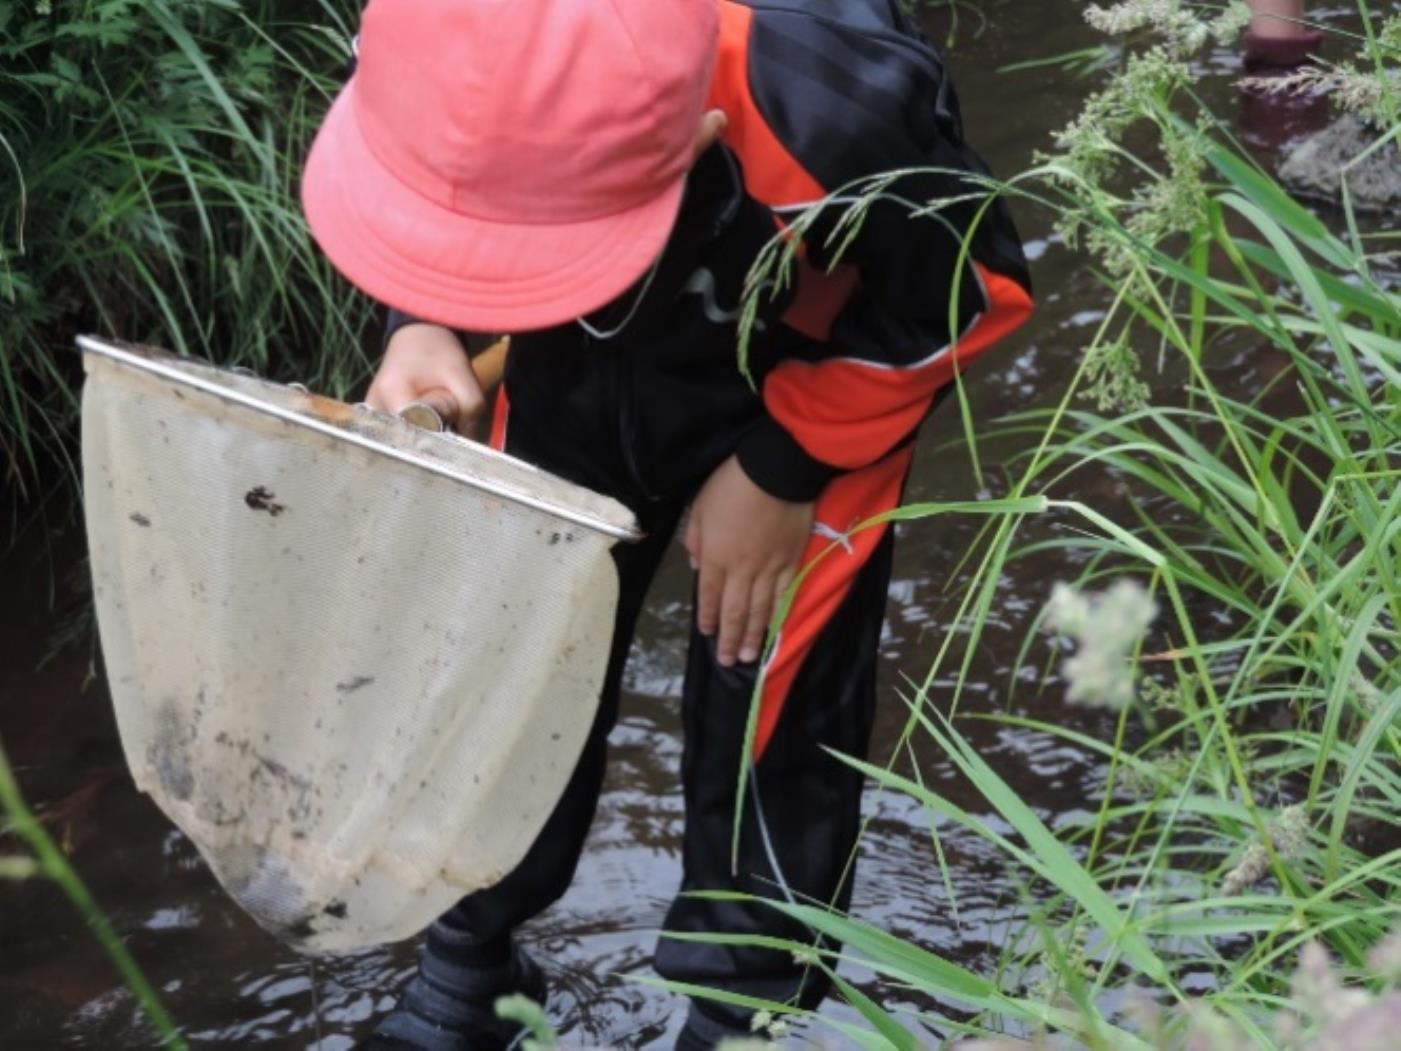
{"x":846,"y":502}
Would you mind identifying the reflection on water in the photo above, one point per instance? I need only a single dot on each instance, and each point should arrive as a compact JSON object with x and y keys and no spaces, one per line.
{"x":231,"y":985}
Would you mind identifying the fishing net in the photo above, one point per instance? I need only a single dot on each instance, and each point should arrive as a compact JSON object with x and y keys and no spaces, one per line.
{"x":355,"y":662}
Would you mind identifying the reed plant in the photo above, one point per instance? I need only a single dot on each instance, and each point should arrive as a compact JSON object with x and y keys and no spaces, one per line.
{"x":1247,"y":833}
{"x":149,"y":157}
{"x":45,"y":859}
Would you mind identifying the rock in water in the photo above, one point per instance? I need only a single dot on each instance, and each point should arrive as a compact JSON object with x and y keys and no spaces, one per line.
{"x":1317,"y":166}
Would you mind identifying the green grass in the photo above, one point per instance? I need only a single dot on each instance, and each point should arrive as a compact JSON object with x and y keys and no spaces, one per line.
{"x":149,"y":159}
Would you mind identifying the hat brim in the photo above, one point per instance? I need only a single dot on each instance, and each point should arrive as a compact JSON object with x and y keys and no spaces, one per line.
{"x":456,"y":270}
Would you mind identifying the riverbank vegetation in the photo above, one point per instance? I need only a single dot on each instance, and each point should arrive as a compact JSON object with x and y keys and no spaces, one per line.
{"x":149,"y":158}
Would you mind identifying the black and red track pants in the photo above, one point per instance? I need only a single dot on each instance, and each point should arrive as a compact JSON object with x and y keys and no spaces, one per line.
{"x":649,"y":430}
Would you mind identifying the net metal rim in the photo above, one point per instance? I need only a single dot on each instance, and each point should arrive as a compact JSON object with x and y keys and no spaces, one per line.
{"x":123,"y":356}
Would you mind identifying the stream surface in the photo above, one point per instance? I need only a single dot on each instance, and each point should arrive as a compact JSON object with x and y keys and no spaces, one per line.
{"x":230,"y":985}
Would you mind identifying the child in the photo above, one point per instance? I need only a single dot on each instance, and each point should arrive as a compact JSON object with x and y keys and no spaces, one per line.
{"x":597,"y":179}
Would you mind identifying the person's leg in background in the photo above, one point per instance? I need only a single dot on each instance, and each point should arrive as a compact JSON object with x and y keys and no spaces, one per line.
{"x":1277,"y":43}
{"x":1278,"y":38}
{"x":802,"y":811}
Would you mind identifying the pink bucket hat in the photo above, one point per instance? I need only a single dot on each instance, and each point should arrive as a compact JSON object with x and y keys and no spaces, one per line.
{"x":504,"y":165}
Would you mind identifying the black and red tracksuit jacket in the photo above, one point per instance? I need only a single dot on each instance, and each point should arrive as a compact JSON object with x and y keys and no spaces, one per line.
{"x":820,"y":95}
{"x":851,"y":353}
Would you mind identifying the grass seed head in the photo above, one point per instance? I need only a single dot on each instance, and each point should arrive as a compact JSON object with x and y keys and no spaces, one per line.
{"x":1385,"y":957}
{"x":1181,"y":26}
{"x":1289,"y":833}
{"x":1106,"y":628}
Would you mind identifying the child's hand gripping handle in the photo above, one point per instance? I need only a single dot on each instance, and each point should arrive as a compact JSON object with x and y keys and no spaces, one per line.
{"x":434,"y":410}
{"x":427,"y":377}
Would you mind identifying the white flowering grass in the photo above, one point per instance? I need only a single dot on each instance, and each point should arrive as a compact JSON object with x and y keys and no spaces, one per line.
{"x":1288,"y":833}
{"x":1107,"y":628}
{"x":1185,"y":27}
{"x":1368,"y":85}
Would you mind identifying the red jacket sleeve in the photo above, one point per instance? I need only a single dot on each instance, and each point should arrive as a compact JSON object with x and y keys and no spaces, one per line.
{"x":818,"y":101}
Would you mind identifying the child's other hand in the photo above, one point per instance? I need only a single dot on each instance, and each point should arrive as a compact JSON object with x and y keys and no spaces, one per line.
{"x":427,"y":363}
{"x":746,"y":545}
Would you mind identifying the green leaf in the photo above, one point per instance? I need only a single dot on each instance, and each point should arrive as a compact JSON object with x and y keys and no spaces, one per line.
{"x":885,"y":1024}
{"x":1045,"y":855}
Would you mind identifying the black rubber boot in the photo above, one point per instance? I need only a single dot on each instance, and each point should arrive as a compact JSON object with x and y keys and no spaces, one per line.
{"x":450,"y":1005}
{"x":1265,"y":55}
{"x":704,"y":1032}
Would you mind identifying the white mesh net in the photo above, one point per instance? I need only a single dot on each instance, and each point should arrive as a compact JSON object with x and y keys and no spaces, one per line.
{"x":358,"y":685}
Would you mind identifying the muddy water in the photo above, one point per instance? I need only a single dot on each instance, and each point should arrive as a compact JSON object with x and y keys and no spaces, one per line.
{"x":231,"y":985}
